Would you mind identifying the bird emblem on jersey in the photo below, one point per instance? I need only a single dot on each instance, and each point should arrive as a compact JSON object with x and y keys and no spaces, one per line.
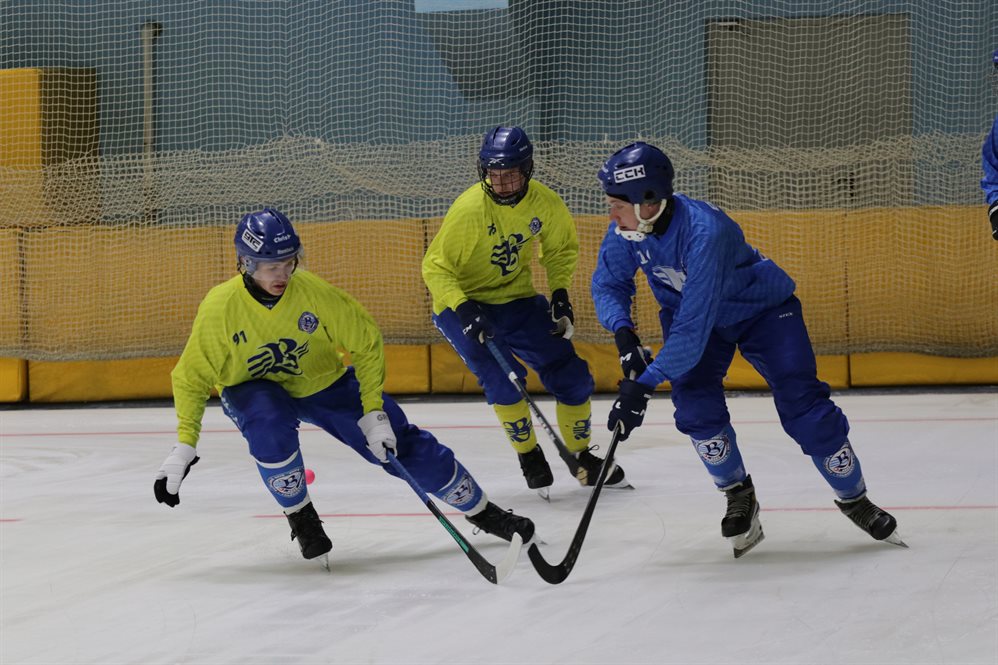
{"x":673,"y":277}
{"x":279,"y":357}
{"x":517,"y":430}
{"x":506,"y":255}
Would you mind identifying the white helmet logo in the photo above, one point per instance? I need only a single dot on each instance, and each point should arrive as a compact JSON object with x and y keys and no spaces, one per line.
{"x":254,"y":243}
{"x":629,"y":173}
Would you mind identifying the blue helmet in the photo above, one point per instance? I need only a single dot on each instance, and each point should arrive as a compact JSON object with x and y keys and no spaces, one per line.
{"x":638,"y":173}
{"x":506,"y":148}
{"x":265,"y":235}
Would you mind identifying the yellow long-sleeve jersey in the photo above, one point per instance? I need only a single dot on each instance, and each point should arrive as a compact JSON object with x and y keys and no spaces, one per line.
{"x":299,"y":343}
{"x":483,"y":250}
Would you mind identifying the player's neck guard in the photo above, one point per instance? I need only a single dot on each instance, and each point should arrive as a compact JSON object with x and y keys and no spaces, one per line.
{"x":656,"y":225}
{"x":268,"y":300}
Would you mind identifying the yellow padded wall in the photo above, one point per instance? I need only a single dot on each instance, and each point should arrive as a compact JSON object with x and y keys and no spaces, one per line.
{"x":128,"y":266}
{"x":10,"y":285}
{"x":13,"y":380}
{"x":378,"y":263}
{"x":886,"y":241}
{"x":149,"y":378}
{"x":910,"y":369}
{"x":21,"y":138}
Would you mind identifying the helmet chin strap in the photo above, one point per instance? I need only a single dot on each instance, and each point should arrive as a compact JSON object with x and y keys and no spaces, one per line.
{"x":645,"y":226}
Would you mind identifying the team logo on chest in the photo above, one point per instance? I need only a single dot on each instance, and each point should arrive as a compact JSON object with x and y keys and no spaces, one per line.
{"x":670,"y":276}
{"x":280,"y":357}
{"x":535,"y":226}
{"x":308,"y":322}
{"x":506,"y":255}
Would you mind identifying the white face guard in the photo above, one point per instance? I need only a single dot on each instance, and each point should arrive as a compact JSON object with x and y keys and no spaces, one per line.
{"x":645,"y":226}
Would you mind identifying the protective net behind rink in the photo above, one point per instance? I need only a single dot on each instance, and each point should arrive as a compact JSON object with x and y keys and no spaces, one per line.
{"x":845,"y":139}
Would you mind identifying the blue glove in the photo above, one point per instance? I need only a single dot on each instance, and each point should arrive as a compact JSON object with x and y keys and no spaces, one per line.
{"x":628,"y":412}
{"x":473,"y":322}
{"x":562,"y":315}
{"x":634,"y":358}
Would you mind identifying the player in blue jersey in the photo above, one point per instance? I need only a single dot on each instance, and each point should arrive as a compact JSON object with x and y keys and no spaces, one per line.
{"x":989,"y":160}
{"x":716,"y":294}
{"x":270,"y":341}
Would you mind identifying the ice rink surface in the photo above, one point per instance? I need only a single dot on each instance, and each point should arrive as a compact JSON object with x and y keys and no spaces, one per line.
{"x":93,"y":570}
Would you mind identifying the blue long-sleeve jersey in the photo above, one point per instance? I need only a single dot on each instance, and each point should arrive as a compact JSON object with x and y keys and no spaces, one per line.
{"x":989,"y":163}
{"x":702,"y":273}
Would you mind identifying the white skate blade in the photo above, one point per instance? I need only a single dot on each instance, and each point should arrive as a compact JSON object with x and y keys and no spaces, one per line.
{"x":622,"y":485}
{"x":324,"y":560}
{"x":895,"y":539}
{"x":544,"y":493}
{"x":743,"y":543}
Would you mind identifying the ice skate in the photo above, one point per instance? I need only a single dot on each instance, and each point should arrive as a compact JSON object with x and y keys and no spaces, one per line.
{"x":307,"y":528}
{"x":871,"y":518}
{"x":537,"y":472}
{"x":740,"y":524}
{"x":503,"y":523}
{"x":589,"y":468}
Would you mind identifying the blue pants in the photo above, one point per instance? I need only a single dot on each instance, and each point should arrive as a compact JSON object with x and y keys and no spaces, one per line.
{"x":524,"y":327}
{"x":776,"y":343}
{"x":268,"y":418}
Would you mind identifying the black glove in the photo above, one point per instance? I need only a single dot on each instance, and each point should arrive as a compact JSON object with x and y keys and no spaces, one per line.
{"x":628,"y":412}
{"x":634,"y":358}
{"x":993,"y":214}
{"x":473,"y":322}
{"x":172,"y":472}
{"x":562,"y":315}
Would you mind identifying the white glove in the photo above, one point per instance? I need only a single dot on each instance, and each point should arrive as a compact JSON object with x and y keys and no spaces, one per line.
{"x":378,"y":431}
{"x":172,"y":472}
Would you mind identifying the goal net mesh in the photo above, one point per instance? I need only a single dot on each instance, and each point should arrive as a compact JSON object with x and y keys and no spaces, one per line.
{"x":844,"y":138}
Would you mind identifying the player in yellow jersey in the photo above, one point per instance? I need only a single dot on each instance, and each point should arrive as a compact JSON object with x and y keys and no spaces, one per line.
{"x":478,"y":270}
{"x":271,"y":340}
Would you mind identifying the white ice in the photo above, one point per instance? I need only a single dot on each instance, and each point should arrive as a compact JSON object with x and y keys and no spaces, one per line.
{"x":93,"y":570}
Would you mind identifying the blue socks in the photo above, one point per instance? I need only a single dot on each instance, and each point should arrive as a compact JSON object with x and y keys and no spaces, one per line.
{"x":286,"y":481}
{"x":720,"y":455}
{"x":842,"y":471}
{"x":463,"y":491}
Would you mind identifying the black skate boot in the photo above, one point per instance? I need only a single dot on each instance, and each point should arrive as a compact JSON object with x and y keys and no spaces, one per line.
{"x":589,"y":468}
{"x":535,"y":469}
{"x":871,"y":518}
{"x":740,"y":524}
{"x":502,"y":523}
{"x":307,"y":528}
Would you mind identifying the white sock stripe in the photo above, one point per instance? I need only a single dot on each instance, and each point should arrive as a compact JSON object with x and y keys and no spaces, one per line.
{"x":298,"y":506}
{"x":277,"y":465}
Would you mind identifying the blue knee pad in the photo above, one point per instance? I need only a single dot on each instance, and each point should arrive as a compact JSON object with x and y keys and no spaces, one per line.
{"x":842,"y":471}
{"x":286,"y":481}
{"x":463,"y":491}
{"x":721,"y":456}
